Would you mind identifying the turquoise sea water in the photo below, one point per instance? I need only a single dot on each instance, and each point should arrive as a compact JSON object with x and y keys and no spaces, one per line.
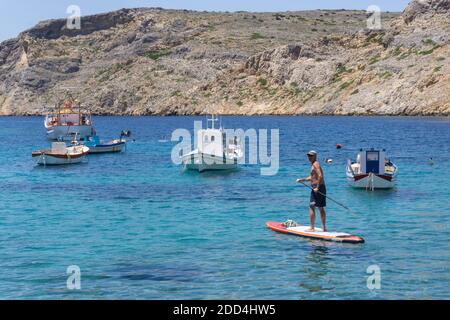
{"x":140,"y":228}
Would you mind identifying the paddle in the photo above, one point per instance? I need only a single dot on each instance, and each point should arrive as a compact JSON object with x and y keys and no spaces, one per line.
{"x":328,"y":197}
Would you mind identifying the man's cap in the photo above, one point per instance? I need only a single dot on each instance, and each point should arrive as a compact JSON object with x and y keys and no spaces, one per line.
{"x":312,"y":153}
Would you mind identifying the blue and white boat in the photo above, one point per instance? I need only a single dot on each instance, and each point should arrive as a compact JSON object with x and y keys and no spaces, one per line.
{"x":96,"y":145}
{"x":371,"y":170}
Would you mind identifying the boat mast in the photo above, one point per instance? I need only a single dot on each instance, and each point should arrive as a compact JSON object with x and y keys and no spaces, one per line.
{"x":213,"y":118}
{"x":79,"y":112}
{"x":58,"y":114}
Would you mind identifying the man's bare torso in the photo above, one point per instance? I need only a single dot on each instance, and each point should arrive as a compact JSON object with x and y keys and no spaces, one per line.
{"x":315,"y":174}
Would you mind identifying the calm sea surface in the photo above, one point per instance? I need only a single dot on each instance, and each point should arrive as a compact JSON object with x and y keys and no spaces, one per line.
{"x":140,"y":228}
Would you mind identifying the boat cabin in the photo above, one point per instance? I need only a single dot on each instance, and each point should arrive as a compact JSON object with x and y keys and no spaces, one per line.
{"x":213,"y":141}
{"x":59,"y":147}
{"x":66,"y":115}
{"x":371,"y":161}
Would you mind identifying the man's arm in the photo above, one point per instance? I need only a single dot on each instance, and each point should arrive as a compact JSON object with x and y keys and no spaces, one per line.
{"x":304,"y":179}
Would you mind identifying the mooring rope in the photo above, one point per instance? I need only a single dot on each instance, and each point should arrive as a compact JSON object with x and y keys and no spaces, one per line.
{"x":370,"y":185}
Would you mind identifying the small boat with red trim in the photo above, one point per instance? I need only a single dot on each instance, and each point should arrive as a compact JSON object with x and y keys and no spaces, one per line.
{"x":290,"y":227}
{"x":60,"y":154}
{"x":371,"y":170}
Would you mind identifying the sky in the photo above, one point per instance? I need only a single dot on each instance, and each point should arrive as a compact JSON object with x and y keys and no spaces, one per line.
{"x":19,"y":15}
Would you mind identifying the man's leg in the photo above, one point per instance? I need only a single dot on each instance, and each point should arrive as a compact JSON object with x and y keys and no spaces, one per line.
{"x":323,"y":216}
{"x":312,"y":218}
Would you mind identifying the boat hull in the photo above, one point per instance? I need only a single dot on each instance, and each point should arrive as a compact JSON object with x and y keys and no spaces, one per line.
{"x":51,"y":157}
{"x":107,"y":148}
{"x":67,"y":133}
{"x":374,"y":181}
{"x":204,"y":162}
{"x":52,"y":160}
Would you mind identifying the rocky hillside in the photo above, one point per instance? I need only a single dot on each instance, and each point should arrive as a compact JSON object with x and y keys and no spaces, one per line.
{"x":154,"y":61}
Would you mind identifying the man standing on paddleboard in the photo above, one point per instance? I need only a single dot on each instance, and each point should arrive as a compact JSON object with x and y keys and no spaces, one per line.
{"x":318,"y":193}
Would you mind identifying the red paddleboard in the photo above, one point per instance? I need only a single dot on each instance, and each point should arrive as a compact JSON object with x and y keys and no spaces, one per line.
{"x":317,"y":234}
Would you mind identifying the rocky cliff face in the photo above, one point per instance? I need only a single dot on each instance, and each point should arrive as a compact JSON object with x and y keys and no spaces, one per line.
{"x":400,"y":70}
{"x":153,"y":61}
{"x":428,"y":8}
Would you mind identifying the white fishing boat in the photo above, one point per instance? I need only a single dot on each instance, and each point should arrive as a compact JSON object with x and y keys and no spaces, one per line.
{"x":68,"y":121}
{"x":213,"y":151}
{"x":60,"y":154}
{"x":371,"y":170}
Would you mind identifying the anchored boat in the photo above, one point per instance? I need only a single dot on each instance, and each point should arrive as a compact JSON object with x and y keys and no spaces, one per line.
{"x":68,"y":121}
{"x":96,"y":145}
{"x":371,"y":170}
{"x":213,"y":151}
{"x":60,"y":154}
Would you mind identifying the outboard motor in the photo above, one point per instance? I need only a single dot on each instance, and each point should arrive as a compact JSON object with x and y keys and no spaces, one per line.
{"x":125,"y":133}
